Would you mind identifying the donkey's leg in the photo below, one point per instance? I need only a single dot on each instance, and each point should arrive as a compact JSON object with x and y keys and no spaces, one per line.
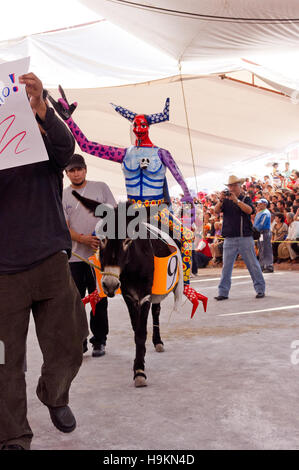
{"x":132,"y":306}
{"x":137,"y":317}
{"x":140,"y":339}
{"x":158,"y":343}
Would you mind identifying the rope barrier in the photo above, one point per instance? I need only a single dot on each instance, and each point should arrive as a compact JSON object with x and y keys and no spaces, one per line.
{"x":272,"y":241}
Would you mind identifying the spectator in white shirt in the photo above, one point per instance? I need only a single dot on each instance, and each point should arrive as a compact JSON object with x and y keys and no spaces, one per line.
{"x":293,"y":234}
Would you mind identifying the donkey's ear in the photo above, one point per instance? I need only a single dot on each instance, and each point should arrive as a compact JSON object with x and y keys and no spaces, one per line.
{"x":103,"y":243}
{"x":90,"y":204}
{"x":126,"y":243}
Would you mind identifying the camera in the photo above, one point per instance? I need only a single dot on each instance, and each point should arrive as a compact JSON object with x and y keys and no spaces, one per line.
{"x":226,"y":193}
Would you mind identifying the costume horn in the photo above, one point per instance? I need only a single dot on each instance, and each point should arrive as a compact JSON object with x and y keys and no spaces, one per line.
{"x":151,"y":118}
{"x":159,"y":117}
{"x":124,"y":112}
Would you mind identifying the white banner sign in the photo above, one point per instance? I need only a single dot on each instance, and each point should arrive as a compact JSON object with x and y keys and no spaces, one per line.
{"x":21,"y":142}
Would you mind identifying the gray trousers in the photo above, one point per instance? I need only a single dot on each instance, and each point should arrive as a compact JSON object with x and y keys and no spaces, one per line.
{"x":265,"y":249}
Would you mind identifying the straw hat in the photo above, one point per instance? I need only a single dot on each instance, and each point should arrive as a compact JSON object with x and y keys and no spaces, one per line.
{"x":234,"y":179}
{"x":283,"y":251}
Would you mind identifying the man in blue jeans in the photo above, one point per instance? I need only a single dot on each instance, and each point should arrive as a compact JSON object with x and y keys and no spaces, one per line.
{"x":237,"y":230}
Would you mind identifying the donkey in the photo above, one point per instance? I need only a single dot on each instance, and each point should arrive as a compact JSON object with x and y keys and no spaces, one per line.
{"x":129,"y":263}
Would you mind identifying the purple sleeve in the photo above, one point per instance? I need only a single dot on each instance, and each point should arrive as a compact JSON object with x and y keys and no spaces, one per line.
{"x":169,"y":162}
{"x":115,"y":154}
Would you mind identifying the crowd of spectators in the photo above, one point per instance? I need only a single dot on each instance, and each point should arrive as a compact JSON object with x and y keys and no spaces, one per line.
{"x":280,"y":188}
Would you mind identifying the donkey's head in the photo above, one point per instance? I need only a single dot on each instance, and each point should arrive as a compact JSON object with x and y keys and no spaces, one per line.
{"x":114,"y":250}
{"x":114,"y":256}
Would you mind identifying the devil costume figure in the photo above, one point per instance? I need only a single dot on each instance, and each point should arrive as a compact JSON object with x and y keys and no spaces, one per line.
{"x":144,"y":166}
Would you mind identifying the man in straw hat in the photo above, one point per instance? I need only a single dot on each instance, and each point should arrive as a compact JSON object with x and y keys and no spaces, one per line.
{"x":237,"y":230}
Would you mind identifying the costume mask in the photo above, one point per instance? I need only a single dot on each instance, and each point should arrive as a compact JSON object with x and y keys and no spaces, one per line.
{"x":141,"y":122}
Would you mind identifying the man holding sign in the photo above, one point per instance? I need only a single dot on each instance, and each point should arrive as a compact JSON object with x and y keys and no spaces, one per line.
{"x":34,"y":272}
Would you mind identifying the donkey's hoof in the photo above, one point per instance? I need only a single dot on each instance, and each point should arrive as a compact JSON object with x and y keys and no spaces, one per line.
{"x":140,"y":381}
{"x":159,"y":347}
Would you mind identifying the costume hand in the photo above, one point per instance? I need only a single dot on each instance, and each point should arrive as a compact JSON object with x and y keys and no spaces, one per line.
{"x":192,"y":214}
{"x":188,"y":199}
{"x":62,"y":107}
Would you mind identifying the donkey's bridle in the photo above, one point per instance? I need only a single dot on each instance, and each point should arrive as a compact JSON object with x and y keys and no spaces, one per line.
{"x":105,"y":273}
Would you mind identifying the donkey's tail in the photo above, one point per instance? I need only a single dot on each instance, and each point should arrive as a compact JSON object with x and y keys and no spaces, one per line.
{"x":179,"y":288}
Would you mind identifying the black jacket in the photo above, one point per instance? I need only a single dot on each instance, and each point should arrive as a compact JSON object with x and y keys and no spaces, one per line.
{"x":32,"y":221}
{"x":235,"y":222}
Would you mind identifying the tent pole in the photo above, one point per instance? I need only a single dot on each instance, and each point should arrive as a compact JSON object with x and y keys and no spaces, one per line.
{"x":188,"y":126}
{"x":226,"y":77}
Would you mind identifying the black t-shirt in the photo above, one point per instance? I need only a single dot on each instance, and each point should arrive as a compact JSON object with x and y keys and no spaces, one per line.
{"x":235,"y":222}
{"x":32,"y":221}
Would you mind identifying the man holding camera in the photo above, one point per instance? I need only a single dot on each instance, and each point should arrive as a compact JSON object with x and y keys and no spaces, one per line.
{"x":237,"y":230}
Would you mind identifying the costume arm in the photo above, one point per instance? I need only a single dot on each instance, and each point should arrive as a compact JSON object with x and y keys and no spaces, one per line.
{"x":65,"y":110}
{"x":115,"y":154}
{"x":169,"y":162}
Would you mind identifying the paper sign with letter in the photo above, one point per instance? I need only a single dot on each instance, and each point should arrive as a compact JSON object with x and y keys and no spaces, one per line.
{"x":21,"y":142}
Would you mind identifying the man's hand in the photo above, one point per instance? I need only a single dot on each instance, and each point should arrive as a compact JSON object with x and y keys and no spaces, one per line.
{"x":90,"y":240}
{"x":62,"y":107}
{"x":34,"y":90}
{"x":222,"y":196}
{"x":233,"y":198}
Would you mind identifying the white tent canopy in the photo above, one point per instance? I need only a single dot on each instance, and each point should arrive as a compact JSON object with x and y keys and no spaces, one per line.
{"x":196,"y":30}
{"x":118,"y":42}
{"x":229,"y":122}
{"x":132,"y":53}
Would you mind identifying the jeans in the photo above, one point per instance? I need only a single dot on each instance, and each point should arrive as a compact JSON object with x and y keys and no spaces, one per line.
{"x":84,"y":278}
{"x":245,"y":247}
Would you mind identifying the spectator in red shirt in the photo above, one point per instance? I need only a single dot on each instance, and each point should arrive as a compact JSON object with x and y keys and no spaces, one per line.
{"x":201,"y":255}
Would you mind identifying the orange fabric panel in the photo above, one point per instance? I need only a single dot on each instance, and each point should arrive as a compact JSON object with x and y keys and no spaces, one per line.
{"x":166,"y":274}
{"x":95,"y":260}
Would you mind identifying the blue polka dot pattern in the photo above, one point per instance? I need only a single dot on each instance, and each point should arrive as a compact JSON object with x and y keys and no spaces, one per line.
{"x":124,"y":112}
{"x":152,"y":118}
{"x":160,"y":117}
